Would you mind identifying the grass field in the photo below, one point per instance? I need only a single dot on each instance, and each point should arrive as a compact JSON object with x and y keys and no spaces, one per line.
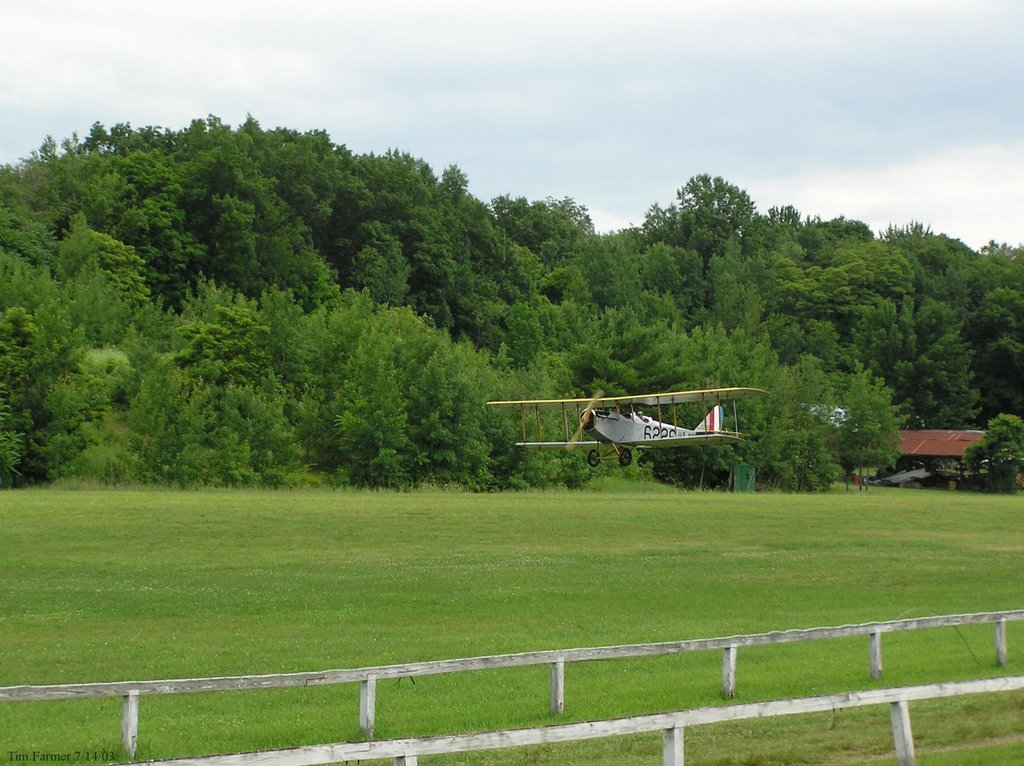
{"x":119,"y":585}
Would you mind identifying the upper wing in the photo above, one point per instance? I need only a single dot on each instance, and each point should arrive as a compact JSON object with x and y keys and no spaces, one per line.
{"x":547,"y":404}
{"x":672,"y":397}
{"x":704,"y":395}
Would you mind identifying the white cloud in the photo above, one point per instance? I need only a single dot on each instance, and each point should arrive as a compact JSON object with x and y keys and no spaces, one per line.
{"x":972,"y":193}
{"x":614,"y":104}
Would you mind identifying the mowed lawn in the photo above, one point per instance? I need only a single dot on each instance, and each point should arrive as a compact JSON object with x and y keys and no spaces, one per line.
{"x":139,"y":585}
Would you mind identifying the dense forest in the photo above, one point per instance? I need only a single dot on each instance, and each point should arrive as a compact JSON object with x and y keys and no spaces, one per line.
{"x":241,"y":306}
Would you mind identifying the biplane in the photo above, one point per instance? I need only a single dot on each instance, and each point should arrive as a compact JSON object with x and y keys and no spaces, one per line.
{"x":613,"y":426}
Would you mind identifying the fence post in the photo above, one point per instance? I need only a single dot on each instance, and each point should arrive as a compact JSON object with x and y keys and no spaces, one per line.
{"x":729,"y":672}
{"x":406,"y":760}
{"x":1001,"y":641}
{"x":875,"y":650}
{"x":130,"y":722}
{"x":899,"y":712}
{"x":672,"y":751}
{"x":367,"y":705}
{"x":558,"y":686}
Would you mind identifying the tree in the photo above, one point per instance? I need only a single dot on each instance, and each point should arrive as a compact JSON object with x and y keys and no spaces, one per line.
{"x":866,"y":425}
{"x":145,"y":209}
{"x":187,"y":431}
{"x":996,"y":332}
{"x":611,"y":269}
{"x":941,"y":265}
{"x":446,"y":415}
{"x":1000,"y":453}
{"x":940,"y":393}
{"x":85,"y":254}
{"x":213,"y":264}
{"x":403,"y":217}
{"x":789,"y":429}
{"x":10,"y":445}
{"x":171,"y":418}
{"x":523,"y":331}
{"x":721,"y":211}
{"x":740,"y":289}
{"x":380,"y":266}
{"x":622,"y":355}
{"x":38,"y":354}
{"x":315,"y":364}
{"x":923,"y":358}
{"x":22,"y":236}
{"x":373,"y":426}
{"x":660,"y":269}
{"x":885,"y":342}
{"x":553,"y":230}
{"x":231,"y":350}
{"x":819,"y":239}
{"x":411,"y":407}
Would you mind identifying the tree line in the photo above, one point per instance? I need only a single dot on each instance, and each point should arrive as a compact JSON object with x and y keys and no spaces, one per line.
{"x":242,"y":306}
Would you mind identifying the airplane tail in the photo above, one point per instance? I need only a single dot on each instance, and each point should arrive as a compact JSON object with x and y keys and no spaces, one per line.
{"x":713,"y":422}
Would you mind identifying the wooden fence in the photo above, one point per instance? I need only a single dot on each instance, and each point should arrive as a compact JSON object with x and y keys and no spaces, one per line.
{"x":406,"y":752}
{"x":130,"y":691}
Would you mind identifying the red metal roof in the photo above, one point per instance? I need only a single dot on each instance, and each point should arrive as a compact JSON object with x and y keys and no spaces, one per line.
{"x":937,"y":443}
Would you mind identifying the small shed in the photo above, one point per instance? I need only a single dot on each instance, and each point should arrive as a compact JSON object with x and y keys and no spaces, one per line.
{"x":931,"y":457}
{"x":934,"y":443}
{"x":744,"y":478}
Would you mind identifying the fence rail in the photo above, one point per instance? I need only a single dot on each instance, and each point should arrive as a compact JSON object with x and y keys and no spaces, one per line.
{"x":406,"y":752}
{"x":368,"y":677}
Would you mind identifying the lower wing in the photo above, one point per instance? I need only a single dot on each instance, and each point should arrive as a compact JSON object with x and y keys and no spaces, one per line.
{"x":718,"y":437}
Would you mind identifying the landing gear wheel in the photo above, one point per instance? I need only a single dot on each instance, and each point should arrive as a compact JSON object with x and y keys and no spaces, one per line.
{"x":593,"y":459}
{"x":625,"y":457}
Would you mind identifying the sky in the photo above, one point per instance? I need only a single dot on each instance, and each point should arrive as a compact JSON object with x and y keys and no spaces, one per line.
{"x":890,"y":112}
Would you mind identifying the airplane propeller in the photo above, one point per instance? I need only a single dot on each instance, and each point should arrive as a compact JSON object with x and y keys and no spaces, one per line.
{"x":585,"y":418}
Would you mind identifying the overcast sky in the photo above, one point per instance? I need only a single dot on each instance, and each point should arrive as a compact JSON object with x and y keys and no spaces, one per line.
{"x":886,"y":111}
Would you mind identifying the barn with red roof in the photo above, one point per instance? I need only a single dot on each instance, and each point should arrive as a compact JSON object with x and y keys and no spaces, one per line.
{"x":931,"y":457}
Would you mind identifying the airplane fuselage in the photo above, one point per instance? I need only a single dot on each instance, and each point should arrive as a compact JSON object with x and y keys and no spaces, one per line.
{"x":634,"y":429}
